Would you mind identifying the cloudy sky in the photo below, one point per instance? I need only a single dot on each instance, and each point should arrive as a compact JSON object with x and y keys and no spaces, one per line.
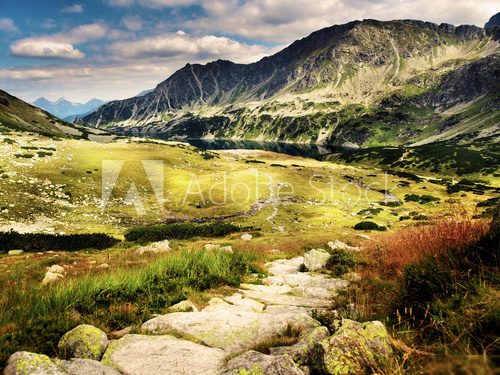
{"x":113,"y":49}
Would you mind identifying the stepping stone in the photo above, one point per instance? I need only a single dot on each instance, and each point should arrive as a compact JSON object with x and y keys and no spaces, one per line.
{"x":230,"y":329}
{"x":159,"y":355}
{"x":285,"y":266}
{"x":280,"y":295}
{"x":237,"y":299}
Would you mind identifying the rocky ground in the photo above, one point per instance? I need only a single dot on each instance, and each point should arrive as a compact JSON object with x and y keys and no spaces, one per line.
{"x":274,"y":317}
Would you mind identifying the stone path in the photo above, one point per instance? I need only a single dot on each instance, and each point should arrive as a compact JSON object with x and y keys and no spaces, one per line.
{"x":219,"y":339}
{"x":200,"y":342}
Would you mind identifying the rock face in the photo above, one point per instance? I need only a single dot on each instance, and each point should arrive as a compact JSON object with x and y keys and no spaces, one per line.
{"x":253,"y":362}
{"x":306,"y":92}
{"x":79,"y":366}
{"x":159,"y":355}
{"x":355,"y":348}
{"x":316,"y":259}
{"x":494,"y":21}
{"x":84,"y":341}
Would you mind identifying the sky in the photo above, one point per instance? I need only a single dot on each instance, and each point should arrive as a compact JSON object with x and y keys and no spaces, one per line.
{"x":114,"y":49}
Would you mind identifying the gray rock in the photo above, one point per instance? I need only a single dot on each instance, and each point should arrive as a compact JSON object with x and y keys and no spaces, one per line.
{"x":301,"y":351}
{"x":370,"y":342}
{"x":183,"y":306}
{"x":25,"y":363}
{"x":77,"y":366}
{"x":84,"y":341}
{"x":316,"y":259}
{"x":155,"y":248}
{"x":51,"y":278}
{"x":253,"y":362}
{"x":15,"y":252}
{"x":231,"y":329}
{"x":160,"y":355}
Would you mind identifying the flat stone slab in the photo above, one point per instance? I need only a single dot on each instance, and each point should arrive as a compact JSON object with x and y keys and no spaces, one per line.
{"x":285,"y":266}
{"x":307,"y":280}
{"x":231,"y":329}
{"x":281,"y":295}
{"x":160,"y":355}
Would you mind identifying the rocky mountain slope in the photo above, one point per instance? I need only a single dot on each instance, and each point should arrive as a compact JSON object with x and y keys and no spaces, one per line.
{"x":66,"y":109}
{"x":365,"y":83}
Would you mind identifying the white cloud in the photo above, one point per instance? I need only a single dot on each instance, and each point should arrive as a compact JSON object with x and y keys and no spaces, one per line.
{"x":48,"y":23}
{"x":7,"y":24}
{"x":59,"y":45}
{"x":182,"y":45}
{"x":286,"y":20}
{"x":45,"y":49}
{"x":132,"y":23}
{"x":75,"y":8}
{"x":154,"y":4}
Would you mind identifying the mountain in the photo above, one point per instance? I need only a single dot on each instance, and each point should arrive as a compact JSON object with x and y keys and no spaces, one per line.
{"x":364,"y":83}
{"x":17,"y":115}
{"x":144,"y":92}
{"x":65,"y":109}
{"x":493,"y":21}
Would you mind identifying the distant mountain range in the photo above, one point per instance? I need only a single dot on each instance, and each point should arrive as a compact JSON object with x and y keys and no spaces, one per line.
{"x":361,"y":84}
{"x":66,"y":109}
{"x":17,"y":115}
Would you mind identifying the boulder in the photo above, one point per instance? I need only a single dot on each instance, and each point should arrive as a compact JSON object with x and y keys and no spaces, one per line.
{"x":25,"y":363}
{"x":84,"y":341}
{"x":211,"y":246}
{"x":253,"y":362}
{"x":316,"y":259}
{"x":155,"y":248}
{"x":246,"y":237}
{"x":354,"y":348}
{"x":56,"y":268}
{"x":103,"y":266}
{"x":339,"y":245}
{"x":228,"y":328}
{"x":15,"y":252}
{"x":78,"y":366}
{"x":51,"y":277}
{"x":301,"y":351}
{"x":159,"y":355}
{"x":183,"y":306}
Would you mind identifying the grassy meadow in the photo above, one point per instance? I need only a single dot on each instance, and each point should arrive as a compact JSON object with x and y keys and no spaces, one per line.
{"x":288,"y":204}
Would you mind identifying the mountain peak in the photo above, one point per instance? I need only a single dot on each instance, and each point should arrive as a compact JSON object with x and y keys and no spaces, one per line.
{"x":494,"y":21}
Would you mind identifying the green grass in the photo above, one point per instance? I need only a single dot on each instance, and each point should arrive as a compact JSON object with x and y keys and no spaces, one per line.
{"x":33,"y":318}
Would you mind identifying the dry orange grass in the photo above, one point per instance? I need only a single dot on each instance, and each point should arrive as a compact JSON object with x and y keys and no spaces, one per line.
{"x":391,"y":252}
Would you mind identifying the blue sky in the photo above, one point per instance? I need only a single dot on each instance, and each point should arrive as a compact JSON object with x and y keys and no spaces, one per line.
{"x":113,"y":49}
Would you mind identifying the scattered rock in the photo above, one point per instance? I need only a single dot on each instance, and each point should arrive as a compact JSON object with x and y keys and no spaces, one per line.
{"x":213,"y":247}
{"x":253,"y":362}
{"x":78,"y":366}
{"x":227,"y":249}
{"x":301,"y":351}
{"x":339,"y":245}
{"x":246,"y":237}
{"x":16,"y":252}
{"x":183,"y":306}
{"x":370,"y":342}
{"x":51,"y":277}
{"x":56,"y":268}
{"x":25,"y":363}
{"x":103,"y":266}
{"x":316,"y":259}
{"x":84,"y":341}
{"x":159,"y":355}
{"x":155,"y":247}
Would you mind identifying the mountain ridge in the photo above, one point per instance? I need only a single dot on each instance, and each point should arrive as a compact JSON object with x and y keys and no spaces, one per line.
{"x":66,"y":109}
{"x":359,"y":64}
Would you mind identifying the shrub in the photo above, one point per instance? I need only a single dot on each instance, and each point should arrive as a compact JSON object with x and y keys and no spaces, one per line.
{"x":341,"y":262}
{"x":24,"y":156}
{"x":43,"y":241}
{"x":422,"y":199}
{"x":369,"y":225}
{"x":180,"y":231}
